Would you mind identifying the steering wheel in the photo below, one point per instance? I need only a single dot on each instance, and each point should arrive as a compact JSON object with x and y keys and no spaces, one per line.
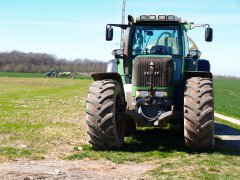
{"x":164,"y":33}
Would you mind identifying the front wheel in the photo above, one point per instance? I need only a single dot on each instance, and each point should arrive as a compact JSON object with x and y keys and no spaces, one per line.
{"x":105,"y":103}
{"x":199,"y":114}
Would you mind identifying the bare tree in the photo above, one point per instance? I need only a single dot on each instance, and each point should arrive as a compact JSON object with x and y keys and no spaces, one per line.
{"x":17,"y":61}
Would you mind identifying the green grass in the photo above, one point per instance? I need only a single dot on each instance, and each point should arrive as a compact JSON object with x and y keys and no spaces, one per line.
{"x":144,"y":145}
{"x":173,"y":161}
{"x":38,"y":75}
{"x":82,"y":76}
{"x":17,"y":74}
{"x":227,"y":97}
{"x":11,"y":152}
{"x":45,"y":117}
{"x":217,"y":165}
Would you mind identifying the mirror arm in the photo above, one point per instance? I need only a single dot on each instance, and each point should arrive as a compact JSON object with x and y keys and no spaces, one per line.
{"x":208,"y":26}
{"x":199,"y":25}
{"x":122,"y":26}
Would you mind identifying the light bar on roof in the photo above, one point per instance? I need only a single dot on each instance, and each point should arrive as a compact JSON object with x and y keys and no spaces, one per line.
{"x":161,"y":17}
{"x":157,"y":18}
{"x":171,"y":18}
{"x":143,"y":17}
{"x":152,"y":17}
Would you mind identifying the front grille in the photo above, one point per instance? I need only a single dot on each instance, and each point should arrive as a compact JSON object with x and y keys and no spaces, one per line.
{"x":163,"y":68}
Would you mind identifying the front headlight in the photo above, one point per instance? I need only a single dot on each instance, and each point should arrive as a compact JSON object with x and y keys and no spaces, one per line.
{"x":141,"y":93}
{"x":161,"y":94}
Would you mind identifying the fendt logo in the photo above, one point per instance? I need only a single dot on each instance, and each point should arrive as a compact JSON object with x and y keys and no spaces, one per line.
{"x":156,"y":73}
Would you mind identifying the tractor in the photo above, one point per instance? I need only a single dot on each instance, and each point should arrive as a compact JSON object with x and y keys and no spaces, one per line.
{"x":156,"y":78}
{"x":52,"y":73}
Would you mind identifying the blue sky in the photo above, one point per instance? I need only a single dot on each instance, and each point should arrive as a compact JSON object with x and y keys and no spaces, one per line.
{"x":76,"y":29}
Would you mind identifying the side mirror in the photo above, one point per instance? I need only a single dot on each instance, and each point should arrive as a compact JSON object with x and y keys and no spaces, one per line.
{"x":208,"y":34}
{"x":109,"y":33}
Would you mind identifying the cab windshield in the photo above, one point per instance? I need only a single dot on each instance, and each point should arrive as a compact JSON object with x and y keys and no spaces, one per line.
{"x":162,"y":40}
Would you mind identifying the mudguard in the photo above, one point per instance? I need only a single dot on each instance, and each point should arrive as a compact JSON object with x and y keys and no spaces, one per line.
{"x":203,"y":74}
{"x":109,"y":75}
{"x":204,"y":65}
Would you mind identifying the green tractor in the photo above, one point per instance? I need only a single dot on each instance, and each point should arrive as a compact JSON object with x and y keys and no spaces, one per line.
{"x":155,"y":79}
{"x":52,"y":73}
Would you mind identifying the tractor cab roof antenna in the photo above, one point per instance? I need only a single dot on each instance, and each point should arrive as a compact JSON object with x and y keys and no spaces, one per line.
{"x":123,"y":21}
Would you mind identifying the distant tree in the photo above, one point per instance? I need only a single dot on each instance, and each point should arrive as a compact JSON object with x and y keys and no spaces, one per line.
{"x":41,"y":62}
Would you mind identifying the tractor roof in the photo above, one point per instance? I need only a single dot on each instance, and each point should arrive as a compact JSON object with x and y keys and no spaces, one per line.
{"x":159,"y":18}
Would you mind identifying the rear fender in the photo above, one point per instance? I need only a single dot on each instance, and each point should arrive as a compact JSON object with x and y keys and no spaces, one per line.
{"x":204,"y":65}
{"x":110,"y":75}
{"x":203,"y":74}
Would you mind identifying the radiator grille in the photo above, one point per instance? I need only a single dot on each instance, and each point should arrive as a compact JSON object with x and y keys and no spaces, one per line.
{"x":163,"y":68}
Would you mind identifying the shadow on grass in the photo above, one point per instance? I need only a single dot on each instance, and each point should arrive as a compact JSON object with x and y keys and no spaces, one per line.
{"x":149,"y":144}
{"x":168,"y":140}
{"x":151,"y":139}
{"x":145,"y":144}
{"x":230,"y":136}
{"x":222,"y":129}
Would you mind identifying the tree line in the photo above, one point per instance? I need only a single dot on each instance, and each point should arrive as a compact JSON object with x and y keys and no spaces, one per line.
{"x":17,"y":61}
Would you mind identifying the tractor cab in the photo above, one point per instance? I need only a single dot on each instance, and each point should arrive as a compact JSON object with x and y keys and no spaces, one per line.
{"x":154,"y":79}
{"x":157,"y":35}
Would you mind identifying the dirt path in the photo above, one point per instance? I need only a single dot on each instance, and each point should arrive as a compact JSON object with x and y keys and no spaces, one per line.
{"x":230,"y":119}
{"x":81,"y":169}
{"x":230,"y":136}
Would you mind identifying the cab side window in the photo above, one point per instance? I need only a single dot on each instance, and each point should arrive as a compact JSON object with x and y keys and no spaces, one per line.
{"x":186,"y":43}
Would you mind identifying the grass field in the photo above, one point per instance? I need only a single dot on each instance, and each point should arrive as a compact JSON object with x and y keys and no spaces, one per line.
{"x":17,"y":74}
{"x":227,"y":97}
{"x":41,"y":117}
{"x":44,"y":118}
{"x":37,"y":75}
{"x":166,"y":148}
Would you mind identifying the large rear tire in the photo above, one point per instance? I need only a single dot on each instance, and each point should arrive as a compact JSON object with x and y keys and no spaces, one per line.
{"x":105,"y":101}
{"x":199,"y":114}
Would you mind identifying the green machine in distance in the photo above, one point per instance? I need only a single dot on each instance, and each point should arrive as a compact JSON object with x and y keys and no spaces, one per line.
{"x":52,"y":73}
{"x":156,"y":78}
